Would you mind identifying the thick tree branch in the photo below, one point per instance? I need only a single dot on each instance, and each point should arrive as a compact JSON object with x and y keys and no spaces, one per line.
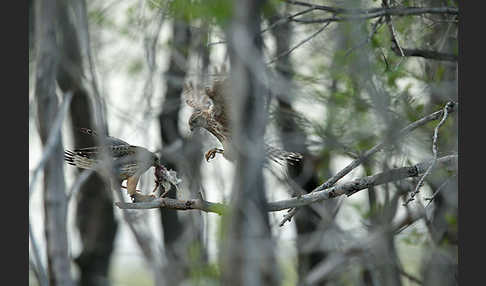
{"x":343,"y":14}
{"x":348,"y":189}
{"x":354,"y":186}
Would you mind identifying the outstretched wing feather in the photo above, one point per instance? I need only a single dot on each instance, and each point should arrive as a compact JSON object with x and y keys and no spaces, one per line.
{"x":195,"y":98}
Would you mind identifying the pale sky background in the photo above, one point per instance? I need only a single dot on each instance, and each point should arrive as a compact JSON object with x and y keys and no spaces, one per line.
{"x":123,"y":92}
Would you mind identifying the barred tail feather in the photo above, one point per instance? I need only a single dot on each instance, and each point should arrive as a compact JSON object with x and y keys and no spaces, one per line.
{"x":281,"y":156}
{"x":80,"y":161}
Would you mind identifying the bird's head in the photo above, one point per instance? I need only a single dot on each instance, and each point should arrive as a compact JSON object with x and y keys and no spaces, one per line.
{"x":198,"y":119}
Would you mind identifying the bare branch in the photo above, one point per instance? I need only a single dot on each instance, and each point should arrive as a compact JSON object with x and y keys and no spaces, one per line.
{"x":330,"y":182}
{"x":427,"y":54}
{"x":362,"y":14}
{"x":410,"y":277}
{"x":431,"y":199}
{"x":348,"y":189}
{"x":354,"y":186}
{"x":299,"y":44}
{"x":434,"y":151}
{"x":403,"y":52}
{"x":394,"y":36}
{"x":194,"y":204}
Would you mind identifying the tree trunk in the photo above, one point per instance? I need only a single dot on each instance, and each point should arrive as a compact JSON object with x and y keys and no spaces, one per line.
{"x":94,"y":213}
{"x":179,"y":233}
{"x":248,"y":256}
{"x":55,"y":200}
{"x":294,"y":139}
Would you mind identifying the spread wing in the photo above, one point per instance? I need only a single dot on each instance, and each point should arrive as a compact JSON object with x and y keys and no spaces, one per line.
{"x":195,"y":98}
{"x":218,"y":92}
{"x":126,"y":158}
{"x":213,"y":98}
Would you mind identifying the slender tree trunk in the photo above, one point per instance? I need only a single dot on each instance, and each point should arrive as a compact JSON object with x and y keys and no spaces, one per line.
{"x":55,"y":201}
{"x":94,"y":213}
{"x":248,"y":256}
{"x":307,"y":220}
{"x":179,"y":233}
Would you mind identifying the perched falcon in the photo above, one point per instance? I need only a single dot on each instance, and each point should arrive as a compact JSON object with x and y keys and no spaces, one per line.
{"x":211,"y":112}
{"x":129,"y":162}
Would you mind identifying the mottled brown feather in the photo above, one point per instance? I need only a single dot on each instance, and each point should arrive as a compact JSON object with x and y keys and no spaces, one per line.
{"x":213,"y":104}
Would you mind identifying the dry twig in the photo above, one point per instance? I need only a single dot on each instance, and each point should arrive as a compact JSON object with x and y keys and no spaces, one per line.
{"x":445,"y":113}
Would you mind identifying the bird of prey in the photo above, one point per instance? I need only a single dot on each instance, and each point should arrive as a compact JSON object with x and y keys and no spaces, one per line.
{"x":129,"y":162}
{"x":211,"y":112}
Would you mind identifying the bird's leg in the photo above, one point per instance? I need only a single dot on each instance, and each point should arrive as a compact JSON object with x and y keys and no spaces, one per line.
{"x":134,"y":194}
{"x":132,"y":185}
{"x":211,"y":153}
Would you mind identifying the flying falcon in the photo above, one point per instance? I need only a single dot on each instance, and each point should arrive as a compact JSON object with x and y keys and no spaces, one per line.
{"x":129,"y":162}
{"x":211,"y":106}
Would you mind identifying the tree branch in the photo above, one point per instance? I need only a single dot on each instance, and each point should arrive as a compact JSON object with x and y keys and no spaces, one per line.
{"x":354,"y":186}
{"x":348,"y":189}
{"x":330,"y":182}
{"x":427,"y":54}
{"x":194,"y":204}
{"x":299,"y":44}
{"x":434,"y":151}
{"x":343,"y":14}
{"x":403,"y":52}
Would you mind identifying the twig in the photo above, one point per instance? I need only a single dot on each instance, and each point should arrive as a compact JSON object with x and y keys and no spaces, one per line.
{"x":446,"y":109}
{"x":394,"y":36}
{"x":431,"y":199}
{"x":330,"y":182}
{"x":410,"y":277}
{"x":427,"y":54}
{"x":402,"y":52}
{"x":362,"y":14}
{"x":79,"y":181}
{"x":279,"y":22}
{"x":348,"y":189}
{"x":375,"y":28}
{"x":287,"y":19}
{"x":299,"y":44}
